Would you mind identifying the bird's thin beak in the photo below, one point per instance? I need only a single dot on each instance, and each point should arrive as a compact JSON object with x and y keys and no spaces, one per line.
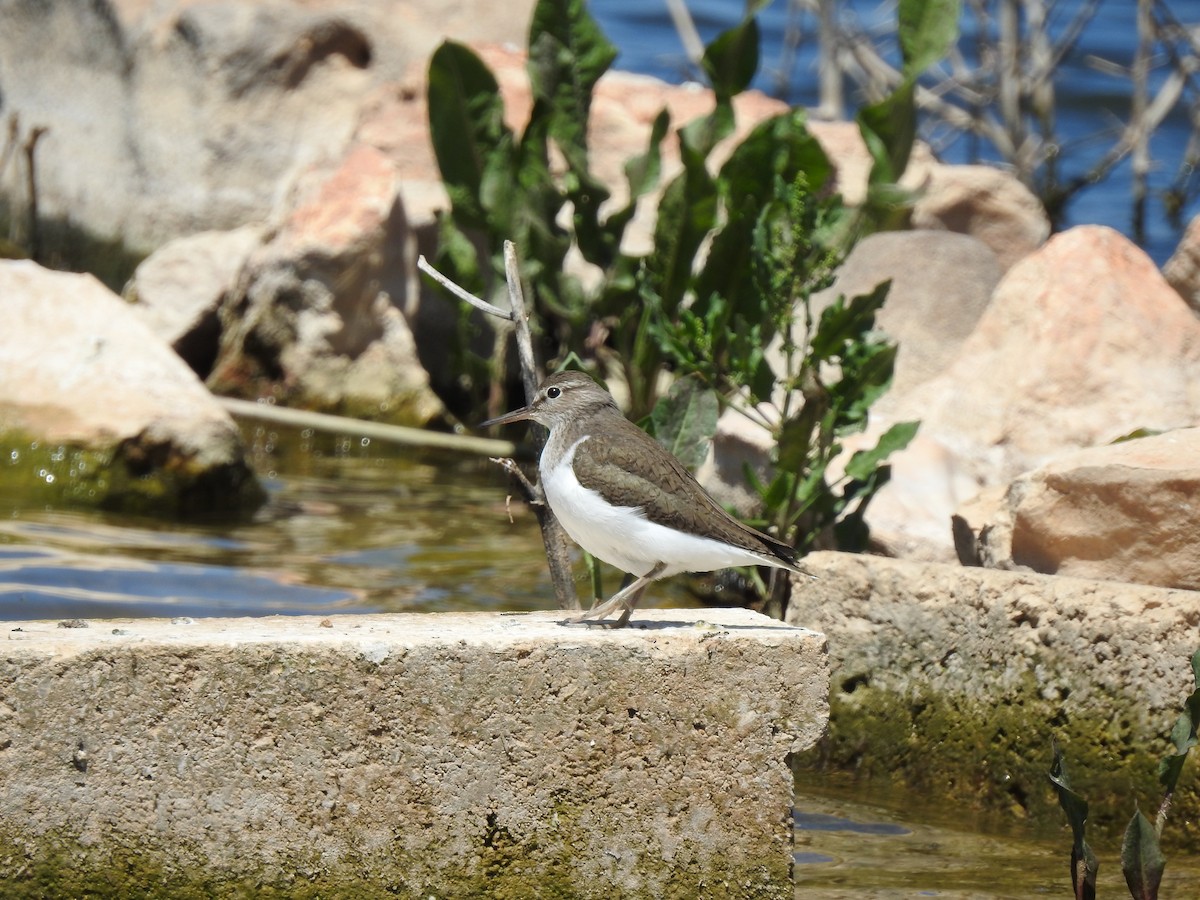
{"x":517,"y":415}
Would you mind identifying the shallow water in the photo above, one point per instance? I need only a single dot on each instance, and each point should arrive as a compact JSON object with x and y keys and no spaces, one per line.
{"x":853,"y":843}
{"x":357,"y":526}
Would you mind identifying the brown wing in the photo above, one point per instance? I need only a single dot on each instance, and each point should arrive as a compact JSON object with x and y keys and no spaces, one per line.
{"x":627,"y":471}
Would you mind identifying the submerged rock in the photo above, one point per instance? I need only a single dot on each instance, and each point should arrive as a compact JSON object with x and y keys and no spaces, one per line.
{"x":95,"y":409}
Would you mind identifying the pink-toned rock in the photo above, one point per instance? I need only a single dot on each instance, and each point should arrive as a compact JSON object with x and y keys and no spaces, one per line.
{"x":624,"y":107}
{"x":1082,"y":342}
{"x":844,"y":145}
{"x":1182,"y":270}
{"x":317,"y":318}
{"x":1124,"y":512}
{"x":986,"y":203}
{"x":96,"y":409}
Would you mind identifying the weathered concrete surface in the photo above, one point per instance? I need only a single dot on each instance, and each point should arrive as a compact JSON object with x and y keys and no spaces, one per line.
{"x":454,"y":755}
{"x":957,"y":681}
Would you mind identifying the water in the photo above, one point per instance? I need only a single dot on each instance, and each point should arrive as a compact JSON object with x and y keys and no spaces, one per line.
{"x":351,"y":525}
{"x":855,"y":842}
{"x":1090,"y":103}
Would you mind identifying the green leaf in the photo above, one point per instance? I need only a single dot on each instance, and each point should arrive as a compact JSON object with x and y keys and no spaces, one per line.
{"x":567,"y":55}
{"x":698,"y":137}
{"x":731,"y":60}
{"x":1183,"y":734}
{"x":1084,"y":866}
{"x":927,"y":29}
{"x":889,"y":128}
{"x":780,"y":146}
{"x":686,"y":214}
{"x":685,"y":420}
{"x":864,"y":462}
{"x":1142,"y":861}
{"x":642,"y":172}
{"x":843,"y":323}
{"x":466,"y":123}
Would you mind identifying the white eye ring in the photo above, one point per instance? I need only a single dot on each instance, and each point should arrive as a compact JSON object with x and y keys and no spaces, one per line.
{"x":553,"y":393}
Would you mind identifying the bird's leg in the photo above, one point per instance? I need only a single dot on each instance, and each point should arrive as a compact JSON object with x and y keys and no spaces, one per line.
{"x":626,"y":599}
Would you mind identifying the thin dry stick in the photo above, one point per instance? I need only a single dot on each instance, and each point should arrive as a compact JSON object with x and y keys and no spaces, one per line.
{"x":34,"y":237}
{"x":553,"y":538}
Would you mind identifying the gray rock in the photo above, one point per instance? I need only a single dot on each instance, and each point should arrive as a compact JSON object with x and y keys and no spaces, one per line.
{"x":941,"y":284}
{"x":169,"y":118}
{"x":1182,"y":270}
{"x":987,"y":203}
{"x":95,"y":409}
{"x":178,"y":289}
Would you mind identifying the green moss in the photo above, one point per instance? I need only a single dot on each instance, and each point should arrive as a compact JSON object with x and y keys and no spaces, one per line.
{"x":130,"y":477}
{"x":994,"y":757}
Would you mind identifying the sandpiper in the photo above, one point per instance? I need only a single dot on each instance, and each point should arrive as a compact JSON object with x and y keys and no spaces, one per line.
{"x":626,"y":500}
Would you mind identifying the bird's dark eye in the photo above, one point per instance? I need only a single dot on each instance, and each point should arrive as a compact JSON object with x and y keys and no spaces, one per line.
{"x":554,"y":393}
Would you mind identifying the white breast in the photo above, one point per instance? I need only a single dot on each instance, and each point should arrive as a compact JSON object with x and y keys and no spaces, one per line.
{"x":623,"y":537}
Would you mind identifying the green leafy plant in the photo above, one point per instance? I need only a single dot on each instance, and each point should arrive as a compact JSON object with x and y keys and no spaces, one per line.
{"x":1142,"y":860}
{"x":738,"y":250}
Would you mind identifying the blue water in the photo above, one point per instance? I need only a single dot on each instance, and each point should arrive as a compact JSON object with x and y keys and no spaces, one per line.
{"x":1090,"y":103}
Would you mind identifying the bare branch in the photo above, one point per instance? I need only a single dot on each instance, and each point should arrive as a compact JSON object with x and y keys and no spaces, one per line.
{"x":462,"y":293}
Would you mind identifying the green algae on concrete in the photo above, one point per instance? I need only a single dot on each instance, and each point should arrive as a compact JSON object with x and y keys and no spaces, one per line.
{"x":57,"y":866}
{"x":995,"y":757}
{"x":957,"y":682}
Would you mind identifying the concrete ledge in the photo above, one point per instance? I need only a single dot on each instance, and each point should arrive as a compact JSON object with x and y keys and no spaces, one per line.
{"x":455,"y":755}
{"x":957,"y":681}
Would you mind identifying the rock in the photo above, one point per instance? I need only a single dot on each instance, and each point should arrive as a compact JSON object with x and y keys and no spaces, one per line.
{"x":316,"y":320}
{"x":1123,"y":512}
{"x":956,"y":681}
{"x":986,"y":203}
{"x":930,"y":308}
{"x":929,"y":312}
{"x":737,"y":443}
{"x":174,"y":117}
{"x":178,"y":289}
{"x":95,"y":409}
{"x":844,"y":145}
{"x":1182,"y":270}
{"x":1082,"y":342}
